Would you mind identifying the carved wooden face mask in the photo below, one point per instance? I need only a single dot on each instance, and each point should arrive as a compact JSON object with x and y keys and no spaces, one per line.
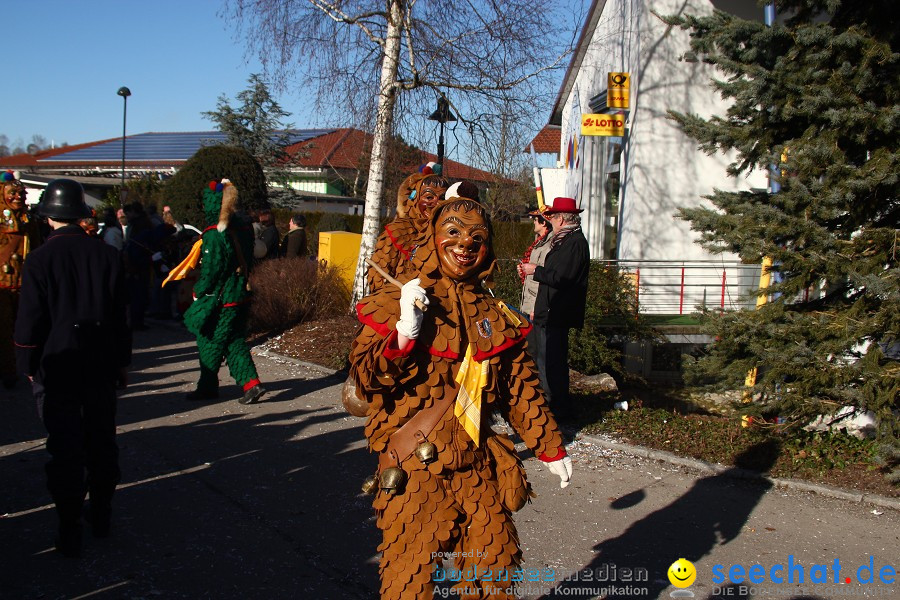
{"x":429,"y":192}
{"x":461,"y":238}
{"x":13,"y":197}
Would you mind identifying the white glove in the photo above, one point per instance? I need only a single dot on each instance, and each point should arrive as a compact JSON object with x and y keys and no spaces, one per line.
{"x":411,"y":315}
{"x":562,"y":468}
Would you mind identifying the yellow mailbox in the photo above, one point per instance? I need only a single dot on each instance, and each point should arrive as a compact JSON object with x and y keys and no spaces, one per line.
{"x":340,"y":249}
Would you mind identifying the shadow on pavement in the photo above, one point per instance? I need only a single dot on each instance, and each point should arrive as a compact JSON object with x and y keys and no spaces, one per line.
{"x":216,"y":501}
{"x":711,"y":513}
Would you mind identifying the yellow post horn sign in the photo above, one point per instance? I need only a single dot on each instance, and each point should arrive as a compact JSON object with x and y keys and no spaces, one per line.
{"x":617,"y":90}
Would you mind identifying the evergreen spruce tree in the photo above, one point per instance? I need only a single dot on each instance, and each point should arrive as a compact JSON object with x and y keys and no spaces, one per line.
{"x":816,"y":96}
{"x":255,"y":125}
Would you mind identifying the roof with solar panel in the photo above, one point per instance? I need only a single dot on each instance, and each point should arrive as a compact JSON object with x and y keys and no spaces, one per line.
{"x":164,"y":147}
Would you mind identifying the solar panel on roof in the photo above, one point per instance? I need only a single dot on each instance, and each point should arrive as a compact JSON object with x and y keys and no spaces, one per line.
{"x":177,"y":146}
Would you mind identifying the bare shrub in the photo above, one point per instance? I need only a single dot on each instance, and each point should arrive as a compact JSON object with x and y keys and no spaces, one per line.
{"x":288,"y":291}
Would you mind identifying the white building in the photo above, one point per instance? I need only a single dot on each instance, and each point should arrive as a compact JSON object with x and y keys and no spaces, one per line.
{"x":631,"y":187}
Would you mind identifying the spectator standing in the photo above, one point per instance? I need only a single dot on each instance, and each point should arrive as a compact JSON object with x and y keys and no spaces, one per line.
{"x":294,"y":242}
{"x":561,"y":297}
{"x":143,"y":258}
{"x":536,"y":253}
{"x":112,"y":233}
{"x":89,"y":224}
{"x":153,"y":215}
{"x":123,"y":223}
{"x":72,"y":341}
{"x":269,"y":233}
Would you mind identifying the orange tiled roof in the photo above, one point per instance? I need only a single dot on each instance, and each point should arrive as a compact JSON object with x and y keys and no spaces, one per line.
{"x":547,"y":141}
{"x":346,"y":148}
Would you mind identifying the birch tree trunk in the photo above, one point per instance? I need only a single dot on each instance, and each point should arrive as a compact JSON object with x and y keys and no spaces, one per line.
{"x":387,"y":98}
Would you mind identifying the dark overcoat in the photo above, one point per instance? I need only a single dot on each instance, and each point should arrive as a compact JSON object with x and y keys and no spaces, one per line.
{"x":71,"y":322}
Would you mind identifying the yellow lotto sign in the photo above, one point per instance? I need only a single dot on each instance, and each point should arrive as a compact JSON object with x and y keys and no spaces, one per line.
{"x":609,"y":125}
{"x":617,"y":87}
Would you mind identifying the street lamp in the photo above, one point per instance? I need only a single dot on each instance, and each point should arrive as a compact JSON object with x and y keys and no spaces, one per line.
{"x":442,"y":115}
{"x":124,"y":92}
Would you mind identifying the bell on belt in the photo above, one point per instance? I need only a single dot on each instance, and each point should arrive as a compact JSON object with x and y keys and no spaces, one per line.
{"x":6,"y":269}
{"x":426,"y":452}
{"x":370,"y":485}
{"x":15,"y":256}
{"x":392,"y":479}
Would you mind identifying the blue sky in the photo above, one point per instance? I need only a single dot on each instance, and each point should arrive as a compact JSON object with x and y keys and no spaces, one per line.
{"x":65,"y":60}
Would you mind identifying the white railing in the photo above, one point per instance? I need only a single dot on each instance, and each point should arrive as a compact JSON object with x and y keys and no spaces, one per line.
{"x":670,"y":287}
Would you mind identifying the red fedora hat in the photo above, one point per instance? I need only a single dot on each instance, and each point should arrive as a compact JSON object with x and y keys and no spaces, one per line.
{"x":563,"y":205}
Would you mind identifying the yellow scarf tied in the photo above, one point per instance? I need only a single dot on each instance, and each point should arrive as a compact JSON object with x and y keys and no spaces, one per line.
{"x":472,"y":377}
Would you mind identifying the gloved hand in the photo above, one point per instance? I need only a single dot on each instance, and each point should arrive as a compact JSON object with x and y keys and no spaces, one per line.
{"x":411,"y":315}
{"x":562,"y":468}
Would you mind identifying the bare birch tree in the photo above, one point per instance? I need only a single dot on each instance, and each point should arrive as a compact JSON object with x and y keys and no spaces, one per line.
{"x":348,"y":51}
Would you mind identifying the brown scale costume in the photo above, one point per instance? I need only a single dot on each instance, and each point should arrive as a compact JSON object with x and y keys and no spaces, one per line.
{"x":398,"y":243}
{"x":19,"y":234}
{"x":454,"y":504}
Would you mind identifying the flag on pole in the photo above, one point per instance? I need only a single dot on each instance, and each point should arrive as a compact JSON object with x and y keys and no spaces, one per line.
{"x":538,"y":187}
{"x":573,"y":149}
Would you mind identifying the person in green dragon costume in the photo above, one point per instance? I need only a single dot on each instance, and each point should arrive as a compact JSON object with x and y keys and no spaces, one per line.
{"x":219,"y":313}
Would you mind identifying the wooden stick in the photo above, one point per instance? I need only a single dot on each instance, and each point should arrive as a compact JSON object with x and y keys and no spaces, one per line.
{"x":419,"y":304}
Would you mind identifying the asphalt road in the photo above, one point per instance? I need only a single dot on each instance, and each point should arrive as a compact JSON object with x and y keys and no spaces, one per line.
{"x":220,"y":500}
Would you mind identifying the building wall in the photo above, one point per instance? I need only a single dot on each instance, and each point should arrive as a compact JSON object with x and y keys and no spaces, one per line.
{"x":317,"y":186}
{"x":663,"y":169}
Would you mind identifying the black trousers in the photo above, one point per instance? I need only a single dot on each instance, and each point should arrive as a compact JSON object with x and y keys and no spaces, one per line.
{"x":556,"y":347}
{"x":537,"y":348}
{"x":81,"y":440}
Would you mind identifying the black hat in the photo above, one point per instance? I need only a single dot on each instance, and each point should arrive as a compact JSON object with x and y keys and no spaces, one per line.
{"x":63,"y":199}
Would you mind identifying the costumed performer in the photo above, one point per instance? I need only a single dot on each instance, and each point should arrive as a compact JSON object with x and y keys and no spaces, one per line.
{"x":397,"y":244}
{"x":218,"y":316}
{"x":19,"y":234}
{"x":446,"y":481}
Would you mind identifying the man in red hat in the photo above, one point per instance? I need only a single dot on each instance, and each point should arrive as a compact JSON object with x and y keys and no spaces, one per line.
{"x":561,"y":297}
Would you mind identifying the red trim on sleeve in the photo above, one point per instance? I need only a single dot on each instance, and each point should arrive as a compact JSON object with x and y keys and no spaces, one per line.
{"x":559,"y":456}
{"x":380,"y":328}
{"x":251,"y":384}
{"x":391,"y":351}
{"x":396,"y":244}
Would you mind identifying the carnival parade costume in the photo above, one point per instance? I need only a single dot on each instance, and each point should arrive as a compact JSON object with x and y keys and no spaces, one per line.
{"x":456,"y":492}
{"x":19,"y":234}
{"x":398,"y":243}
{"x":218,"y":316}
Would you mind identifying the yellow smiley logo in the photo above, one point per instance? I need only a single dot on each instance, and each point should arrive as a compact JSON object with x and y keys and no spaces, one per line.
{"x":682,"y":573}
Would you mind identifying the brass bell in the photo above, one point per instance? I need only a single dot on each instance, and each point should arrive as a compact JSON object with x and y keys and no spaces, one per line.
{"x":392,"y":479}
{"x":370,"y":485}
{"x":6,"y":269}
{"x":426,"y":452}
{"x":15,"y":256}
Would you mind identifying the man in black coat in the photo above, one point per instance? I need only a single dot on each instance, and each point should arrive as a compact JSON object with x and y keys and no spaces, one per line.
{"x":73,"y":343}
{"x":560,"y":301}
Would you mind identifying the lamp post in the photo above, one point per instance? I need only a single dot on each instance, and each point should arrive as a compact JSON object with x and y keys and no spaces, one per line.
{"x":442,"y":115}
{"x":124,"y":92}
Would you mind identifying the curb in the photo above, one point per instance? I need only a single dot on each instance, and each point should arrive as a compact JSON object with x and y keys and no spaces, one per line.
{"x":300,"y":363}
{"x":827,"y":491}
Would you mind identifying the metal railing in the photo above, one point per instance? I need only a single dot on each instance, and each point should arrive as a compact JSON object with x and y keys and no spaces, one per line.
{"x":679,"y":287}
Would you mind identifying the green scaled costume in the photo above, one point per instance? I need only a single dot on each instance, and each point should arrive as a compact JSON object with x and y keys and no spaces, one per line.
{"x":218,"y":316}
